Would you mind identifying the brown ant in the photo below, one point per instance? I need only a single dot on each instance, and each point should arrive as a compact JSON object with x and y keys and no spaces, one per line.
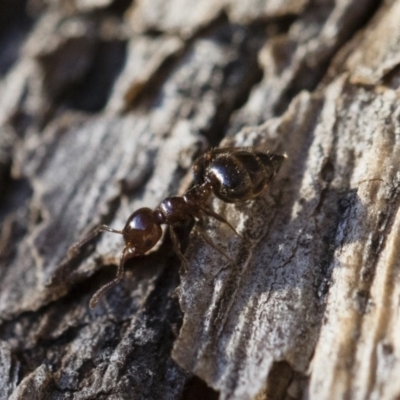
{"x":232,"y":174}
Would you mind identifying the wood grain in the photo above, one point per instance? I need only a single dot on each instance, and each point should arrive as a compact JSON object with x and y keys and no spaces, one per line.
{"x":105,"y":105}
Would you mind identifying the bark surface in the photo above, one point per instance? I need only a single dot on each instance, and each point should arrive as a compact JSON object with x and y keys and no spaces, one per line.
{"x":105,"y":105}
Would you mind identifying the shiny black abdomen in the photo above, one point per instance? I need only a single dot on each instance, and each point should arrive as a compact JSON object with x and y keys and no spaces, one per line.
{"x":236,"y":174}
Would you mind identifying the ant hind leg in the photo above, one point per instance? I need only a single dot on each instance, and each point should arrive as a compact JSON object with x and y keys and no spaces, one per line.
{"x":211,"y":213}
{"x":208,"y":240}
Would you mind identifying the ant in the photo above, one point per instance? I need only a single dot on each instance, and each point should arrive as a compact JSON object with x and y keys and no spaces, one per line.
{"x":232,"y":174}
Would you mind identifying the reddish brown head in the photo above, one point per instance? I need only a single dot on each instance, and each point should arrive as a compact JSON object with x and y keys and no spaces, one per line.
{"x":141,"y":232}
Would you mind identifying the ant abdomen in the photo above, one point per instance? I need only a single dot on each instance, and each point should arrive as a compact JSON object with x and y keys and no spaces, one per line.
{"x":237,"y":175}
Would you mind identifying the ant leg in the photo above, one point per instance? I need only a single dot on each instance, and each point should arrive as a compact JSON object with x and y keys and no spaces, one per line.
{"x":211,"y":213}
{"x":102,"y":228}
{"x":208,"y":240}
{"x":177,"y":248}
{"x":120,"y":274}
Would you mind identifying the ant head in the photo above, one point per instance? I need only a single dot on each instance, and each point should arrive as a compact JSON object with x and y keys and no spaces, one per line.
{"x":141,"y":232}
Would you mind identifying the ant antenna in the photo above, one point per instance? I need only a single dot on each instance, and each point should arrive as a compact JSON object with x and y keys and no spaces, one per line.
{"x":120,"y":274}
{"x":77,"y":246}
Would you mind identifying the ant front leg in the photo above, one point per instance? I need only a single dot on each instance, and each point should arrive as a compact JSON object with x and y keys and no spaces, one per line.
{"x":120,"y":274}
{"x":102,"y":228}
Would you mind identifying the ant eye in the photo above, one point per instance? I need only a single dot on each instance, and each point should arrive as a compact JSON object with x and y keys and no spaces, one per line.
{"x":148,"y":243}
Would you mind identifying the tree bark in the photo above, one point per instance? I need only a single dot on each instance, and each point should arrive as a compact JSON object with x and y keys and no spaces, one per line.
{"x":104,"y":107}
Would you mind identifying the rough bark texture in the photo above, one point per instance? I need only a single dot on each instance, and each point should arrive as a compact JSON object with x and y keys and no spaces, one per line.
{"x":104,"y":106}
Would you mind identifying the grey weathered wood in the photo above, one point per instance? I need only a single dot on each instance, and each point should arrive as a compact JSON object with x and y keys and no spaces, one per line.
{"x":100,"y":116}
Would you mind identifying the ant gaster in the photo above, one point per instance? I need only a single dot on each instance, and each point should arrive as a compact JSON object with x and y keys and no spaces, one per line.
{"x":232,"y":174}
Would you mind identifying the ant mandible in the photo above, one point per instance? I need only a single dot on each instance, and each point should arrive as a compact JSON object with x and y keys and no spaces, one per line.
{"x":232,"y":174}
